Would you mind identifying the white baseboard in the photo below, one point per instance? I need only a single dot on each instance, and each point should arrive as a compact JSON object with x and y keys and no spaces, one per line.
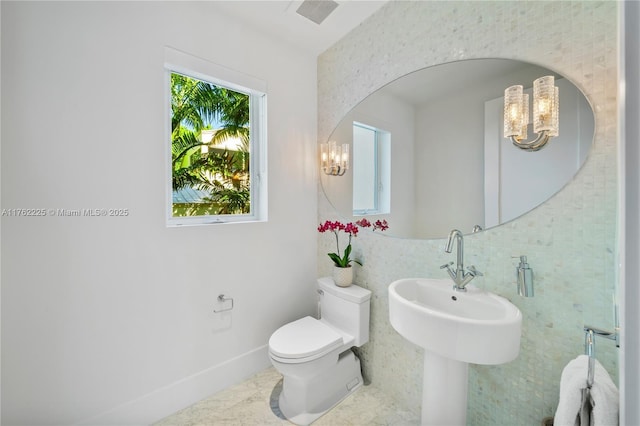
{"x":167,"y":400}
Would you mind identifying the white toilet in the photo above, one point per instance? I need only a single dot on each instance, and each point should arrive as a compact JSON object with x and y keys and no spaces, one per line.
{"x":315,"y":356}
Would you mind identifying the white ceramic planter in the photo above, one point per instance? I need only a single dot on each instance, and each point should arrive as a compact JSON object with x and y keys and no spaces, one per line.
{"x":343,"y":277}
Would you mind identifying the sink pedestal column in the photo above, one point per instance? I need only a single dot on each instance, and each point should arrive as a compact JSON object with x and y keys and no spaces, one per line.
{"x":444,"y":391}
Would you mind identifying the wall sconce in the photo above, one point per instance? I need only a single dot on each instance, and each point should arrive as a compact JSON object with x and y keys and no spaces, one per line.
{"x":334,"y":159}
{"x":545,"y":113}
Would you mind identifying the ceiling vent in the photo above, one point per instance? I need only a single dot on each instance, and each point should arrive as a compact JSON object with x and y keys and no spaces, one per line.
{"x":316,"y":10}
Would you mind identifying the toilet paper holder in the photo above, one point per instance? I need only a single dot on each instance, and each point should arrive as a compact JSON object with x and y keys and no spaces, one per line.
{"x":222,"y":299}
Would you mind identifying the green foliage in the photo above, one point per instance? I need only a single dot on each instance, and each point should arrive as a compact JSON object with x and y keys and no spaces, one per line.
{"x":197,"y":105}
{"x":344,"y":261}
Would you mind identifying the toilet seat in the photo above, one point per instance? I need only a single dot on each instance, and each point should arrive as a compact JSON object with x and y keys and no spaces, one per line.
{"x":303,"y":340}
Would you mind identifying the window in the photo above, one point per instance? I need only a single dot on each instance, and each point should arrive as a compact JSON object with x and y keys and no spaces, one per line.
{"x":371,"y":170}
{"x":217,"y":144}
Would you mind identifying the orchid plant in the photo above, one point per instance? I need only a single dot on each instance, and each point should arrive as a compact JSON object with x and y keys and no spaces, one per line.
{"x":351,"y":229}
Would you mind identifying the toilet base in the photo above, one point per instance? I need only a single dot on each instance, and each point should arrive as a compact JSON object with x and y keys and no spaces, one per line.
{"x":303,"y":402}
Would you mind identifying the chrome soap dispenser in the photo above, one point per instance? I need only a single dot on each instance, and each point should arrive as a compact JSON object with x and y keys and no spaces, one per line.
{"x":525,"y":278}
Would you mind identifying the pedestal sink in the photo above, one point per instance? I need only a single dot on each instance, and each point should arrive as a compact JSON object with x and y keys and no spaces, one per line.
{"x":455,"y":328}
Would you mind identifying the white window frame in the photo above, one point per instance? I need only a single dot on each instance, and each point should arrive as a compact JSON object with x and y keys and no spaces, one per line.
{"x":201,"y":69}
{"x":382,"y":171}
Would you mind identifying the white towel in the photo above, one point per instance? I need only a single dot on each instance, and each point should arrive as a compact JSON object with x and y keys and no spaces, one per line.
{"x":603,"y":402}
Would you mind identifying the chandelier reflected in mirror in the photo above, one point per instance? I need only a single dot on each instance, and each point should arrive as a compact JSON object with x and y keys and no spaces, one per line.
{"x":545,"y":113}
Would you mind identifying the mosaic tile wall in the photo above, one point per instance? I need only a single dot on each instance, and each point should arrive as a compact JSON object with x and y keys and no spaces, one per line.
{"x":570,"y":240}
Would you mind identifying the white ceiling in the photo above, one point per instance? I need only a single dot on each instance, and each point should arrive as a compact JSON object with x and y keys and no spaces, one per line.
{"x":278,"y":19}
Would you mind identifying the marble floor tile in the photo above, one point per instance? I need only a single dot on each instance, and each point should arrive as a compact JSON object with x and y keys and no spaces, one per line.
{"x":255,"y":402}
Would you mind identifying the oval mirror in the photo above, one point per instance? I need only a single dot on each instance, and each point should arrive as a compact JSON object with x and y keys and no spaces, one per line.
{"x":427,"y":152}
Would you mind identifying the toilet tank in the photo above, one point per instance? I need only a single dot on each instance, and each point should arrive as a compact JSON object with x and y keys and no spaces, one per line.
{"x":345,"y":308}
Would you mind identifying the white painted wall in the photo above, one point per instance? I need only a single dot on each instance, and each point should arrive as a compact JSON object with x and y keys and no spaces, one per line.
{"x":109,"y":320}
{"x":449,"y":166}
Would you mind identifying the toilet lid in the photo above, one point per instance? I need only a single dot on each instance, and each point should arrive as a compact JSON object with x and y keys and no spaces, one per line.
{"x":303,"y":338}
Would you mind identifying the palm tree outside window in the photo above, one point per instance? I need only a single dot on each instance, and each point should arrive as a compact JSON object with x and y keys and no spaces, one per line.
{"x":210,"y":149}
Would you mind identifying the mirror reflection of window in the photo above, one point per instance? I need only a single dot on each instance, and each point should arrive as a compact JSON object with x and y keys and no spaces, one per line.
{"x":371,"y":170}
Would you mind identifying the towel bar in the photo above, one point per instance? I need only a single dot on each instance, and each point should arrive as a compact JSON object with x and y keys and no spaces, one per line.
{"x":590,"y":347}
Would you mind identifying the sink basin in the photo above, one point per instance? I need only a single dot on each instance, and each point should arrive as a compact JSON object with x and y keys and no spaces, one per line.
{"x":473,"y":327}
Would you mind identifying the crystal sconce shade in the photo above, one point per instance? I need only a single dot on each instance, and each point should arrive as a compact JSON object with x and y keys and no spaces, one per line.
{"x":545,"y":113}
{"x":334,"y":159}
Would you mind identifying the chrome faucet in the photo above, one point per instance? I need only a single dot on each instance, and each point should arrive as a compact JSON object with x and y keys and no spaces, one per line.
{"x":459,"y":276}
